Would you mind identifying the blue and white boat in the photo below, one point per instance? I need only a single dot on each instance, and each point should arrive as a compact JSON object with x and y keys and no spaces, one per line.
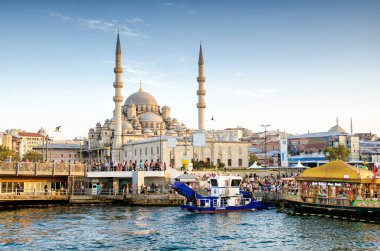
{"x":225,"y":197}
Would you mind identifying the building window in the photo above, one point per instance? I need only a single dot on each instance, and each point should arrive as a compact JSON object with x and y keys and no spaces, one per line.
{"x":218,"y":161}
{"x":229,"y":162}
{"x":62,"y":155}
{"x":135,"y":152}
{"x":105,"y":133}
{"x":75,"y":155}
{"x":146,"y":150}
{"x":70,"y":155}
{"x":240,"y":162}
{"x":140,"y":151}
{"x":151,"y":150}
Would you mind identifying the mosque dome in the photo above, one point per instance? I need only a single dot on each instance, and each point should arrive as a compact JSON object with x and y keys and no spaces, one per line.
{"x":337,"y":129}
{"x":150,"y":117}
{"x":141,"y":98}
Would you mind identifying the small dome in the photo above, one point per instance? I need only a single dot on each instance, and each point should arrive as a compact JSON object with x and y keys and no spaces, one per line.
{"x":127,"y":125}
{"x":165,"y":107}
{"x":179,"y":128}
{"x":170,"y":133}
{"x":92,"y":130}
{"x":141,"y":98}
{"x":98,"y":124}
{"x":111,"y":125}
{"x":107,"y":121}
{"x":148,"y":131}
{"x":150,"y":117}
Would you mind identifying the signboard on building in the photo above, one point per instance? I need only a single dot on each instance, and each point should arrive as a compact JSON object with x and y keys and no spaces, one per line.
{"x":284,"y":152}
{"x":199,"y":139}
{"x":172,"y":142}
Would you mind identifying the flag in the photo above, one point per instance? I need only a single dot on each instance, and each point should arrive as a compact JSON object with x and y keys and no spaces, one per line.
{"x":375,"y":168}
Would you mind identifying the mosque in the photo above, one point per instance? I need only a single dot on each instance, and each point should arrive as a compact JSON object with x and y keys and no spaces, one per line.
{"x":139,"y":129}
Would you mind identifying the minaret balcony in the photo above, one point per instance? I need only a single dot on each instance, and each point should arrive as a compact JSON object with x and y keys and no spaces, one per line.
{"x":118,"y":70}
{"x":118,"y":84}
{"x":117,"y":99}
{"x":201,"y":79}
{"x":201,"y":92}
{"x":201,"y":105}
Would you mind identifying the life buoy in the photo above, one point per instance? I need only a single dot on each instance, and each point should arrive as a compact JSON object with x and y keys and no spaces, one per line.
{"x":237,"y":202}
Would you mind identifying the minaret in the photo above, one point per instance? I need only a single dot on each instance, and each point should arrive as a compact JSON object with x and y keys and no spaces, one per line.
{"x":352,"y":131}
{"x":118,"y":99}
{"x":201,"y":92}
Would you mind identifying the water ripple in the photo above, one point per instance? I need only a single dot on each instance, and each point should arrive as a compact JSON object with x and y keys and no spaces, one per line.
{"x":158,"y":228}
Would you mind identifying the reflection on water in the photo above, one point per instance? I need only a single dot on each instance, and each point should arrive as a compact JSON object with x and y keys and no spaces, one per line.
{"x":132,"y":228}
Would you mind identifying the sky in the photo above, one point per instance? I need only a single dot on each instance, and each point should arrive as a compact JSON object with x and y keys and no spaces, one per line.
{"x":294,"y":65}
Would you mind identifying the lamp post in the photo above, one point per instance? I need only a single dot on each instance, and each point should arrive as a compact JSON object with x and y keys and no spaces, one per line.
{"x":265,"y":142}
{"x":161,"y":140}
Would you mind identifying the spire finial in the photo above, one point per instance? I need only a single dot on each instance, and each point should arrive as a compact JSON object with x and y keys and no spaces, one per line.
{"x":140,"y":86}
{"x":118,"y":47}
{"x":337,"y":122}
{"x":200,"y":61}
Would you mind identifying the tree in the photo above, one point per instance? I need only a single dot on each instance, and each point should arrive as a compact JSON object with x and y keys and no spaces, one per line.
{"x":252,"y":159}
{"x":336,"y":153}
{"x":32,"y":156}
{"x":6,"y":153}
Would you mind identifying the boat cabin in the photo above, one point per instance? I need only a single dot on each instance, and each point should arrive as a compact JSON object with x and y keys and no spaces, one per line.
{"x":337,"y":184}
{"x":225,"y":185}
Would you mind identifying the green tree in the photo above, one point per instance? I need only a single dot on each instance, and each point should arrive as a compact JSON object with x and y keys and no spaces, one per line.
{"x":252,"y":159}
{"x":6,"y":153}
{"x":337,"y":153}
{"x":32,"y":156}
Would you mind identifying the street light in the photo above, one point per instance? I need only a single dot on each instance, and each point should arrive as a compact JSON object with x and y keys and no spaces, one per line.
{"x":265,"y":142}
{"x":160,"y":139}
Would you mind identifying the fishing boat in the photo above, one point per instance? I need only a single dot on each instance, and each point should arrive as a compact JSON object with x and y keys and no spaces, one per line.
{"x":335,"y":189}
{"x":225,"y":196}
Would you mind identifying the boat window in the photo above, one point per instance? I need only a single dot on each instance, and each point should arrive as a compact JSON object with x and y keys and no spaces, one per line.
{"x":235,"y":183}
{"x":214,"y":182}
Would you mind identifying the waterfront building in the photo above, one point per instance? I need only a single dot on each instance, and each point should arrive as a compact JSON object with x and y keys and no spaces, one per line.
{"x":230,"y":133}
{"x":22,"y":141}
{"x":61,"y":152}
{"x":370,"y":151}
{"x":308,"y":148}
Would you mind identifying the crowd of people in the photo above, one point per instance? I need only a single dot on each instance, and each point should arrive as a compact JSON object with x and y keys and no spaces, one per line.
{"x":128,"y":166}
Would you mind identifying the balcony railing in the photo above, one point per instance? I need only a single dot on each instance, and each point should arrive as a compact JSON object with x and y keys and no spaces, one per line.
{"x":41,"y":169}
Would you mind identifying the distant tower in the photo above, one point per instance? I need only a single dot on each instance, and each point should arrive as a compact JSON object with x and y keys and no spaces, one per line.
{"x":201,"y":92}
{"x":337,"y":122}
{"x":352,"y":131}
{"x":118,"y":99}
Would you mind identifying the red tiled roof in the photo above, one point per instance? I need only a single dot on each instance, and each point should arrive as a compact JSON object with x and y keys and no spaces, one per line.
{"x":30,"y":134}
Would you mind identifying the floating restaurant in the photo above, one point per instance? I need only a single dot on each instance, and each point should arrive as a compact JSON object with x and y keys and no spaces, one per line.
{"x":336,"y":189}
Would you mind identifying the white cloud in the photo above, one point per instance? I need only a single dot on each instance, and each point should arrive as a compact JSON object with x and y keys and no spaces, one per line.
{"x":98,"y":24}
{"x":135,"y":20}
{"x":256,"y":94}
